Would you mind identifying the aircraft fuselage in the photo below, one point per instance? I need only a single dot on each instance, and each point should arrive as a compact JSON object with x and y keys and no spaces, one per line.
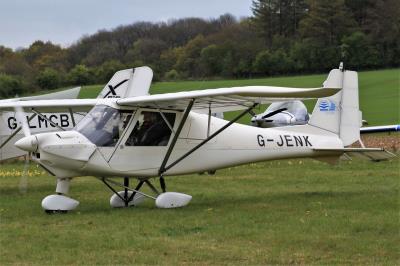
{"x":238,"y":144}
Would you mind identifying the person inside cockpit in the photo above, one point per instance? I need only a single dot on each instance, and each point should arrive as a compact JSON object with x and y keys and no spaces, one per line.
{"x":152,"y":131}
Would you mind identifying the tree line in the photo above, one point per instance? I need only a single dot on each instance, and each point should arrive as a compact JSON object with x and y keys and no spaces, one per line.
{"x":282,"y":37}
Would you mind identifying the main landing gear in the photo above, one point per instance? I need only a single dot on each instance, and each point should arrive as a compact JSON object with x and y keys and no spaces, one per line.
{"x":61,"y":203}
{"x":134,"y":197}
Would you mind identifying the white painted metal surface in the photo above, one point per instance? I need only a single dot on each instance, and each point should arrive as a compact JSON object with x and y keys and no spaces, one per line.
{"x":169,"y":200}
{"x":128,"y":83}
{"x":116,"y":201}
{"x":59,"y":203}
{"x":65,"y":94}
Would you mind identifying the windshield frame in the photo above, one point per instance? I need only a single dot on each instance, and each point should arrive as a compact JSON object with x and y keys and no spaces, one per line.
{"x":104,"y":125}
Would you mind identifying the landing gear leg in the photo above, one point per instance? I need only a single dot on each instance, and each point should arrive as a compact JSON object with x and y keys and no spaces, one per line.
{"x":126,"y":192}
{"x":162,"y":184}
{"x":164,"y":200}
{"x":126,"y":198}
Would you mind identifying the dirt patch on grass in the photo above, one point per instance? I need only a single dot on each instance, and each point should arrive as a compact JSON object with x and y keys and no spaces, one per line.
{"x":388,"y":141}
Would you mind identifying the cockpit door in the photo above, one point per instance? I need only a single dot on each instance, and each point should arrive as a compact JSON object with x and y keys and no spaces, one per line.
{"x":145,"y":143}
{"x":119,"y":129}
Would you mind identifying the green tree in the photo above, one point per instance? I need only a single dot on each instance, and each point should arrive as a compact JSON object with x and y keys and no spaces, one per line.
{"x":4,"y":52}
{"x":10,"y":86}
{"x":262,"y":63}
{"x":48,"y":79}
{"x":327,"y":22}
{"x":358,"y":52}
{"x":276,"y":62}
{"x":146,"y":50}
{"x":168,"y":59}
{"x":382,"y":26}
{"x":41,"y":55}
{"x":211,"y":58}
{"x":104,"y":72}
{"x":15,"y":64}
{"x":104,"y":51}
{"x":278,"y":17}
{"x":228,"y":65}
{"x":171,"y":75}
{"x":281,"y":63}
{"x":188,"y":60}
{"x":79,"y":75}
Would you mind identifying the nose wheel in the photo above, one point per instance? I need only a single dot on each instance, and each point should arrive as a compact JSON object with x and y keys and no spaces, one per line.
{"x":60,"y":203}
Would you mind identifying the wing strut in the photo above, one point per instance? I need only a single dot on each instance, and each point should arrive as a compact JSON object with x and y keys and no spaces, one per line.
{"x":47,"y":119}
{"x":206,"y":140}
{"x":176,"y":135}
{"x":71,"y":113}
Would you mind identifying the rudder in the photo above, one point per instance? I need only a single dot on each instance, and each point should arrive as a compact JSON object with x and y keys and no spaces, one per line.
{"x":339,"y":113}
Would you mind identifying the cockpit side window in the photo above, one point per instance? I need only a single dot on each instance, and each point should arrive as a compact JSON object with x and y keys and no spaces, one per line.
{"x":296,"y":108}
{"x":151,"y":129}
{"x":103,"y":125}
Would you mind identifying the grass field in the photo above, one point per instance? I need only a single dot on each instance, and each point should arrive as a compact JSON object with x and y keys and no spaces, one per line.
{"x":284,"y":212}
{"x":379,"y":91}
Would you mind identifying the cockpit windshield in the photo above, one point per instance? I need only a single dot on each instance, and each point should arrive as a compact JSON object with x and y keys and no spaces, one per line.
{"x":103,"y":125}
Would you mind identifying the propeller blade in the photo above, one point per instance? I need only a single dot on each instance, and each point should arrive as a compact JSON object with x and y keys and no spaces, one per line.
{"x":274,"y":113}
{"x":20,"y":115}
{"x":23,"y":182}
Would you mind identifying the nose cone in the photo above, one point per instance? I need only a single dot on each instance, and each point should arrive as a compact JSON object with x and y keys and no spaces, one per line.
{"x":29,"y":144}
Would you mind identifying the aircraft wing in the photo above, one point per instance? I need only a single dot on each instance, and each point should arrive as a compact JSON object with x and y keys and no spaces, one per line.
{"x":225,"y":99}
{"x":78,"y":105}
{"x":378,"y":129}
{"x":220,"y":100}
{"x":65,"y":94}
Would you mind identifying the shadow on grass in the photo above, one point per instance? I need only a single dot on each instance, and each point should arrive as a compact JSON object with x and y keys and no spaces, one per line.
{"x":201,"y":202}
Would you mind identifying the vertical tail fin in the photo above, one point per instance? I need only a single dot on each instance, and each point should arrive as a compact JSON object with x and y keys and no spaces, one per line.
{"x":340,"y":113}
{"x":128,"y":83}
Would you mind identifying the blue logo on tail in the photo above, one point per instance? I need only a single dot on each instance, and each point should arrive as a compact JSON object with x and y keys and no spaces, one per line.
{"x":327,"y":106}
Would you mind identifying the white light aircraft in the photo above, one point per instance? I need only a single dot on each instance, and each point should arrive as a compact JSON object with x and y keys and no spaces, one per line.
{"x":135,"y":136}
{"x":65,"y":119}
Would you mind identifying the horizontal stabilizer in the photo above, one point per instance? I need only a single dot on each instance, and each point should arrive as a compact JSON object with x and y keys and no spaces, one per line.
{"x":374,"y":154}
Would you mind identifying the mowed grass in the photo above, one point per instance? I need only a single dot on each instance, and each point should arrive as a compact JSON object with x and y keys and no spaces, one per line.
{"x":281,"y":212}
{"x":379,"y":91}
